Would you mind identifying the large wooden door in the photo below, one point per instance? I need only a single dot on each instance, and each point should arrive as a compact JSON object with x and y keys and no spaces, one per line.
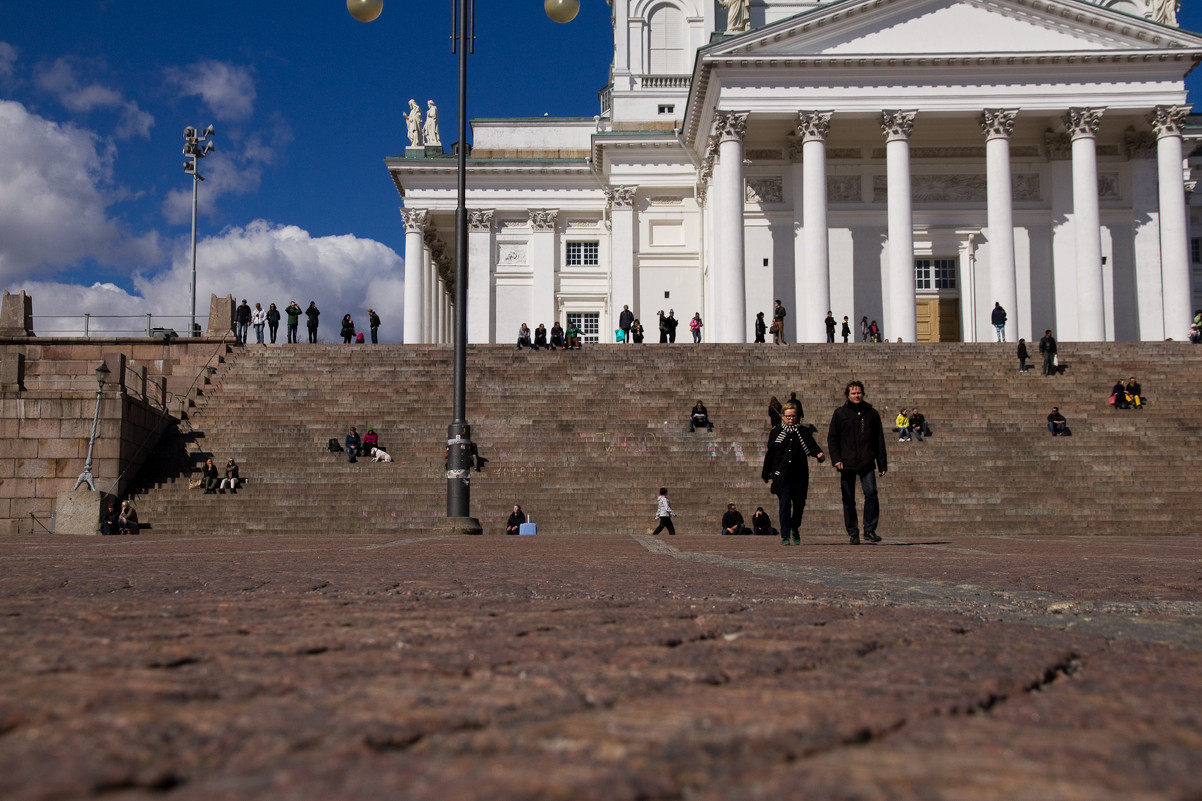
{"x":938,"y":319}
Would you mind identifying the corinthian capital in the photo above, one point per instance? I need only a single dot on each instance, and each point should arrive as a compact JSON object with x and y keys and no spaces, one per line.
{"x":1168,"y":120}
{"x":621,"y":197}
{"x":897,"y":125}
{"x":543,"y":219}
{"x":415,"y":220}
{"x":479,"y":221}
{"x":1083,"y":122}
{"x":998,"y":123}
{"x":730,"y":125}
{"x":813,"y":125}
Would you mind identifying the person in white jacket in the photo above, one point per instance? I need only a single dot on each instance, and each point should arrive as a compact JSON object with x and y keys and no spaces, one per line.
{"x":258,"y":318}
{"x":663,"y":511}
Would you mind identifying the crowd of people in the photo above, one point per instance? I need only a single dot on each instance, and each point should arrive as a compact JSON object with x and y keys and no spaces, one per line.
{"x":259,"y":318}
{"x":558,"y":338}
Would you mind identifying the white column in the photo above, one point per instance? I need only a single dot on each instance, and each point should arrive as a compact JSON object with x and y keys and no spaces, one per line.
{"x":1064,"y":267}
{"x":1141,"y":147}
{"x":1168,"y":122}
{"x":1003,"y":284}
{"x":901,"y":317}
{"x":479,"y":276}
{"x":430,"y":284}
{"x":621,"y":243}
{"x":730,"y":296}
{"x":415,"y":227}
{"x":440,"y":310}
{"x":543,"y":252}
{"x":813,"y":279}
{"x":1087,"y":224}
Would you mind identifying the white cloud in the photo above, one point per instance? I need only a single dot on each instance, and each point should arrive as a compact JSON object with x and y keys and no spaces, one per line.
{"x":61,"y":80}
{"x":54,"y":199}
{"x":261,"y":262}
{"x":228,"y":90}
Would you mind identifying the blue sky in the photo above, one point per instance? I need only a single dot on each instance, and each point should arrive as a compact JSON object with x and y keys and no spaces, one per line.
{"x":307,"y":102}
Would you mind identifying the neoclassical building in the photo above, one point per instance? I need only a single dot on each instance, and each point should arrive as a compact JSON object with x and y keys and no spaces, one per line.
{"x":908,"y":161}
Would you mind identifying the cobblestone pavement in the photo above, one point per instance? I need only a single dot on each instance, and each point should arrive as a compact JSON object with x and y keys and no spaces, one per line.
{"x":603,"y":667}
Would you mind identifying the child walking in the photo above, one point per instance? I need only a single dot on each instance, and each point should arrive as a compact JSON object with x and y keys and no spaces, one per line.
{"x":663,"y":510}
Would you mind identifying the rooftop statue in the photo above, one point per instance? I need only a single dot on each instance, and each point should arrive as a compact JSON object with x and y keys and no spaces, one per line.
{"x":431,"y":128}
{"x":738,"y":18}
{"x":1164,"y":11}
{"x":413,"y":124}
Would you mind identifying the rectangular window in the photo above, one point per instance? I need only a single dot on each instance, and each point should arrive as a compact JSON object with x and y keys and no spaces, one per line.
{"x":666,"y":108}
{"x":584,"y":254}
{"x":589,"y":323}
{"x":1195,"y":251}
{"x":934,"y":274}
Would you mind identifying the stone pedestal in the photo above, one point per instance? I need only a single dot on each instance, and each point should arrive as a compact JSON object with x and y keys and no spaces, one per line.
{"x":16,"y":315}
{"x":12,"y":372}
{"x":79,"y":512}
{"x":418,"y":152}
{"x":221,"y":316}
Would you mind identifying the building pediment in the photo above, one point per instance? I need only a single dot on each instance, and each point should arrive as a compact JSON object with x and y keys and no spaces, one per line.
{"x":927,"y":27}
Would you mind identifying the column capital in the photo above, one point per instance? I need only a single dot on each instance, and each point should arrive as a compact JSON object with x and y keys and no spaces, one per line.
{"x":813,"y":125}
{"x":1168,"y":120}
{"x":998,"y":123}
{"x":415,"y":220}
{"x":730,"y":125}
{"x":621,"y":197}
{"x":479,"y":221}
{"x":1083,"y":123}
{"x":897,"y":125}
{"x":542,"y":220}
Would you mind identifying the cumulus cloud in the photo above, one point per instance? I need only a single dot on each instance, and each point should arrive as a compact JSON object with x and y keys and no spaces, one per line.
{"x":228,"y":90}
{"x":60,"y":78}
{"x":55,"y":192}
{"x":262,"y":262}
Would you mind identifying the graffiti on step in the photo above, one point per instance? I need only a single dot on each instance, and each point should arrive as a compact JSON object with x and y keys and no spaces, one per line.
{"x":615,"y":444}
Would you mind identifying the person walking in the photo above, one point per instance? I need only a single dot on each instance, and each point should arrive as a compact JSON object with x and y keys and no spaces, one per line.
{"x":1047,"y":349}
{"x":663,"y":513}
{"x":856,"y":443}
{"x":1022,"y":355}
{"x":998,"y":318}
{"x":242,"y":318}
{"x":787,"y":471}
{"x":373,"y":322}
{"x":312,"y":313}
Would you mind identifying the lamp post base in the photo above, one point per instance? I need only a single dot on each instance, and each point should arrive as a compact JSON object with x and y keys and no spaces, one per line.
{"x":458,"y":525}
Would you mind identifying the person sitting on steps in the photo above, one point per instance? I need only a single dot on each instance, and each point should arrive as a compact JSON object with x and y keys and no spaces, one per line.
{"x":209,"y":478}
{"x":700,"y":417}
{"x":231,"y":480}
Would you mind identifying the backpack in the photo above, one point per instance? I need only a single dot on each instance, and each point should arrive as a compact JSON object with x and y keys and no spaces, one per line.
{"x":333,"y":446}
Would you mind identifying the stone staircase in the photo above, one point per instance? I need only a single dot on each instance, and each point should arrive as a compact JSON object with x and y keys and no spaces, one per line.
{"x":583,"y":439}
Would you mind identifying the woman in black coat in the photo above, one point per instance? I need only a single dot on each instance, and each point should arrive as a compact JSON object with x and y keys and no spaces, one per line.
{"x":787,"y":470}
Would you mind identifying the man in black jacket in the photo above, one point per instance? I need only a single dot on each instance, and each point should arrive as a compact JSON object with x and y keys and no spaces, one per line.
{"x":856,"y":442}
{"x":732,"y":521}
{"x":787,"y":470}
{"x":1047,"y":348}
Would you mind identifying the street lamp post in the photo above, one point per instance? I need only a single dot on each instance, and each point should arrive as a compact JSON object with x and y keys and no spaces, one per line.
{"x":196,"y":146}
{"x":102,"y":374}
{"x":459,"y":432}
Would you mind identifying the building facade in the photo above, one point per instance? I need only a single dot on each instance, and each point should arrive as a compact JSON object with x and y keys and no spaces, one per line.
{"x":913,"y":162}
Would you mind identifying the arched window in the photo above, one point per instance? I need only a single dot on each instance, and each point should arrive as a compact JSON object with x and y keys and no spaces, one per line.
{"x":667,"y":41}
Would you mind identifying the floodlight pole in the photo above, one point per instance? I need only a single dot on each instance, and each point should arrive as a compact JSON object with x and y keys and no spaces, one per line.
{"x":102,"y":373}
{"x":196,"y":146}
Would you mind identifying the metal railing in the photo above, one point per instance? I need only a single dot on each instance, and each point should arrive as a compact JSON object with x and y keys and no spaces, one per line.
{"x":164,"y":326}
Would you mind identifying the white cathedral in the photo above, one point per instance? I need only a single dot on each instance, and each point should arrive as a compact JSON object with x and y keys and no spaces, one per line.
{"x":909,"y":161}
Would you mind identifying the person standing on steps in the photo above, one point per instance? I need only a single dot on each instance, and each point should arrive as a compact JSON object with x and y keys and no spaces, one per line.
{"x":778,"y":323}
{"x":373,"y":321}
{"x":761,"y":328}
{"x":663,"y":513}
{"x":846,"y":332}
{"x":625,"y":321}
{"x":787,"y":470}
{"x":348,"y":329}
{"x":242,"y":318}
{"x":1023,"y":355}
{"x":273,"y":321}
{"x":864,"y":332}
{"x":312,"y":313}
{"x":998,"y":318}
{"x":695,"y":326}
{"x":294,"y":312}
{"x":258,"y":318}
{"x":829,"y":322}
{"x":856,"y":442}
{"x":1047,"y":349}
{"x":670,"y":323}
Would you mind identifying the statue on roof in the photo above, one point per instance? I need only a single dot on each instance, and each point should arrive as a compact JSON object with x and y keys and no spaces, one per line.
{"x":738,"y":17}
{"x":413,"y":124}
{"x":430,"y":131}
{"x":1164,"y":11}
